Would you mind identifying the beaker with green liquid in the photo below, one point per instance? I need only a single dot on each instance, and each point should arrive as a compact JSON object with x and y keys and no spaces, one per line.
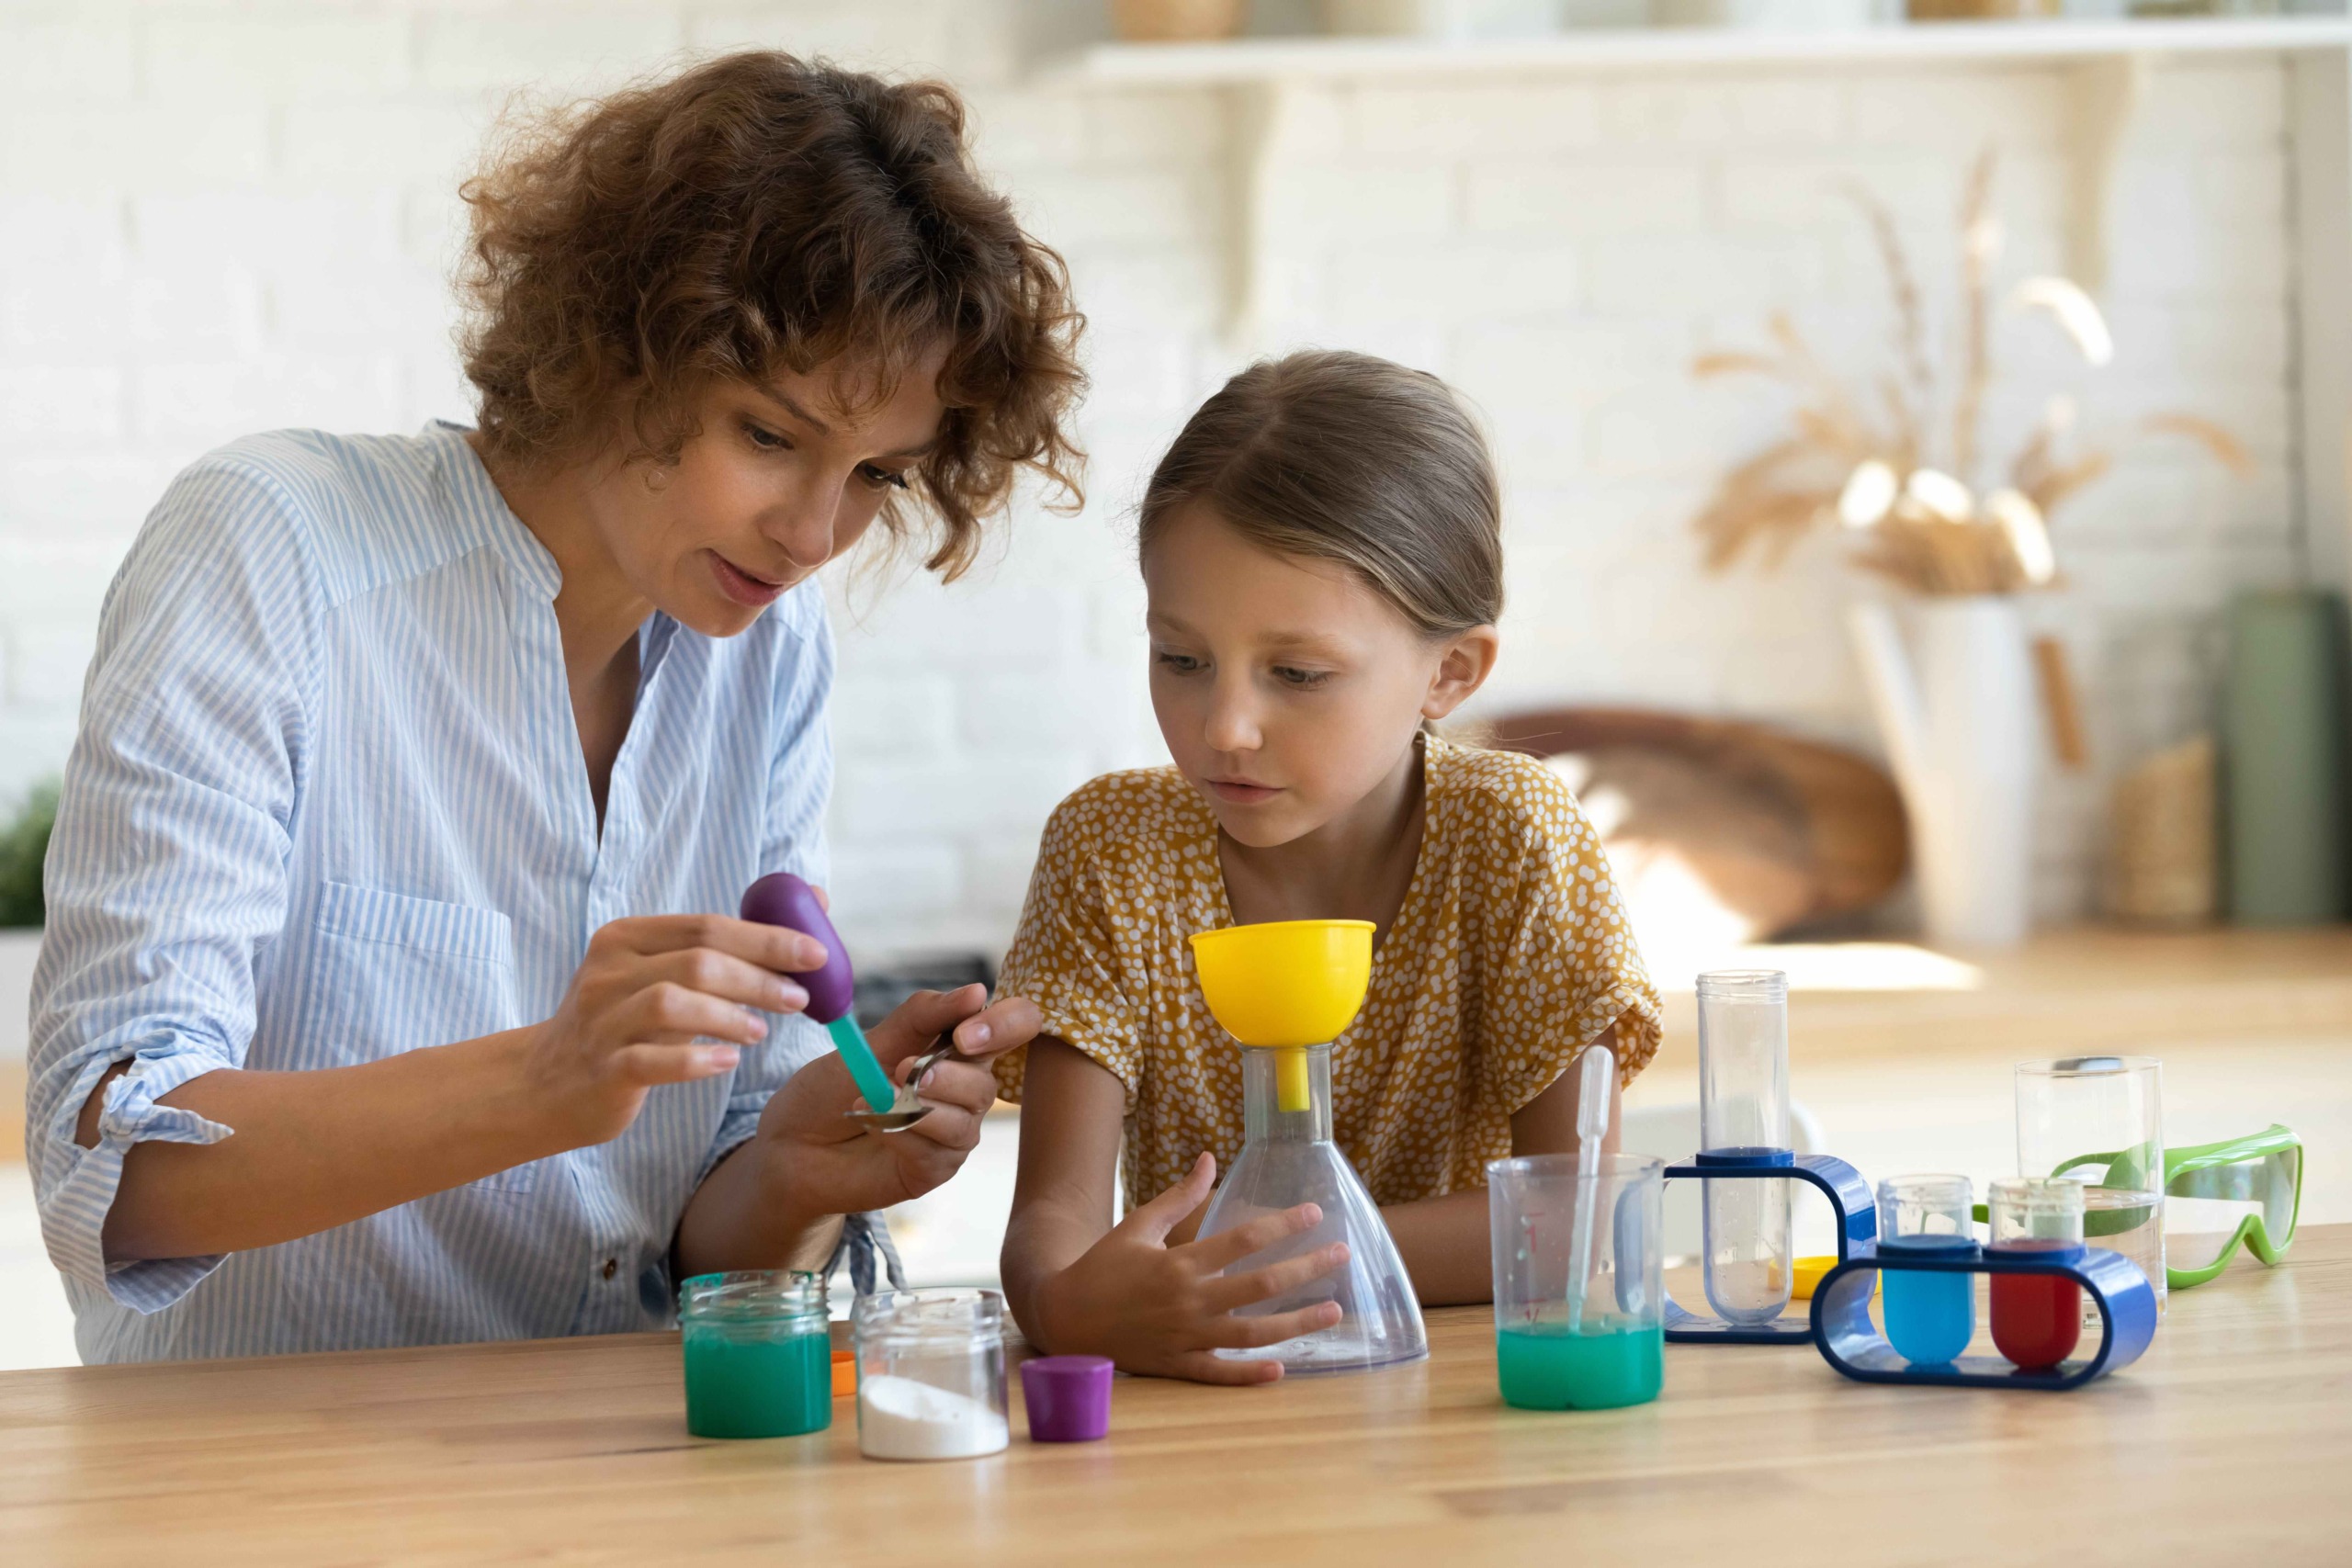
{"x":1579,"y":1322}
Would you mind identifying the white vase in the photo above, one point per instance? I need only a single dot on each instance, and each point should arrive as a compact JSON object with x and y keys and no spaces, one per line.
{"x":1959,"y":710}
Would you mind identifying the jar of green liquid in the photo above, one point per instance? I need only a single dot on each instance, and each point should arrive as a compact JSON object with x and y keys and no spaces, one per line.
{"x":758,"y":1354}
{"x":1580,"y":1299}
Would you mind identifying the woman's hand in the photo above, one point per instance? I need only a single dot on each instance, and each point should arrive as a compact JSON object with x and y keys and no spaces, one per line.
{"x":824,"y":1163}
{"x":1165,"y":1309}
{"x":644,"y":1007}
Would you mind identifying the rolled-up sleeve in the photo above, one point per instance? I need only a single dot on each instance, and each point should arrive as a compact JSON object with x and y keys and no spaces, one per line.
{"x":166,"y":874}
{"x":800,"y":786}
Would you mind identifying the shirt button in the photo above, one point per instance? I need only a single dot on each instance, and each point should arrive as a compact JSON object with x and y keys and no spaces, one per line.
{"x":612,"y":1267}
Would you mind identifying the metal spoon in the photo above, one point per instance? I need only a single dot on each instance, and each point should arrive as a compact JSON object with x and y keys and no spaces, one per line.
{"x":905,"y":1108}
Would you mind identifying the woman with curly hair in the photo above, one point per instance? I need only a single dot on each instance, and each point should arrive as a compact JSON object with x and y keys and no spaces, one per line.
{"x":389,"y":994}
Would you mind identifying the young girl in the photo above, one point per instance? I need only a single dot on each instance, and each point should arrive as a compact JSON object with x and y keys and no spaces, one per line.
{"x":1322,"y":551}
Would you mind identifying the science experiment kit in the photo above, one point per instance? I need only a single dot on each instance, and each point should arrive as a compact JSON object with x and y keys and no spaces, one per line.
{"x":2073,"y":1258}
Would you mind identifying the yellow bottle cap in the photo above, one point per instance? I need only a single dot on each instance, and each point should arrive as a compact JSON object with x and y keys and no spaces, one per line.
{"x":1808,"y":1272}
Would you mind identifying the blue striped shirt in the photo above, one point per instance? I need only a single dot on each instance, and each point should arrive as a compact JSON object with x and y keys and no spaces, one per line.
{"x":328,"y":804}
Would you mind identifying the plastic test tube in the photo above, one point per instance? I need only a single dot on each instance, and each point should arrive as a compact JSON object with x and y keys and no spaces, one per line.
{"x":1744,"y":1108}
{"x":2036,"y":1318}
{"x":1929,"y":1317}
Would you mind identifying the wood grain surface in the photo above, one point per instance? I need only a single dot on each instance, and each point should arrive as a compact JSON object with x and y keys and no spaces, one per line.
{"x":2229,"y":1441}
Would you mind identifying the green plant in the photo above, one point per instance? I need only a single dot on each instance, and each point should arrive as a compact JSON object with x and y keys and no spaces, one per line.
{"x":24,"y":844}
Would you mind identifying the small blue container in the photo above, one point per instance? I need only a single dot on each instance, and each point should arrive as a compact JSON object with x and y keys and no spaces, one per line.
{"x":1930,"y":1316}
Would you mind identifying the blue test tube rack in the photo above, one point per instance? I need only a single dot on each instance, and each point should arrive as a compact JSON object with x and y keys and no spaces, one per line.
{"x":1850,"y":1200}
{"x":1852,"y":1343}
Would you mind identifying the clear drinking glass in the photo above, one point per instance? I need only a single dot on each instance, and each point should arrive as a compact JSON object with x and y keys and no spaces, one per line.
{"x":1743,"y":1109}
{"x":2100,"y":1120}
{"x":930,"y":1374}
{"x":1579,"y":1322}
{"x":1929,"y":1317}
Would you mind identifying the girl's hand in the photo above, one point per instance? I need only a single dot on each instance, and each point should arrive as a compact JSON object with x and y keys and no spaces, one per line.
{"x":825,"y":1163}
{"x":1164,"y":1310}
{"x":645,"y":1004}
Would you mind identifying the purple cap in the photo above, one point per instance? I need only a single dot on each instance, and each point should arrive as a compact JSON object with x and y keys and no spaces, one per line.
{"x":783,"y":900}
{"x":1068,"y":1398}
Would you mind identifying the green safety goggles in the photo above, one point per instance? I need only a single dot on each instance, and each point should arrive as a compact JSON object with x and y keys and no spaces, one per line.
{"x":2246,"y":1190}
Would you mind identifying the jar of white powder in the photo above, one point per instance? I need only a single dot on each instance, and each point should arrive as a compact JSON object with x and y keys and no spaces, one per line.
{"x":930,"y":1374}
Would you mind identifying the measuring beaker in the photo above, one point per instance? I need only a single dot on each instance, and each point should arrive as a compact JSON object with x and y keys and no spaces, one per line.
{"x":1579,"y":1322}
{"x":2100,"y":1120}
{"x":1744,"y":1110}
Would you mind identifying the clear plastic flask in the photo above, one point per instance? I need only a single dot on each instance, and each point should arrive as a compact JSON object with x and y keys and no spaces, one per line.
{"x":1744,"y":1110}
{"x":1288,"y":1158}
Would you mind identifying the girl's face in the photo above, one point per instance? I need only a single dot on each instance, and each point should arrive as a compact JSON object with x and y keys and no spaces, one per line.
{"x":1286,"y":688}
{"x":778,"y":481}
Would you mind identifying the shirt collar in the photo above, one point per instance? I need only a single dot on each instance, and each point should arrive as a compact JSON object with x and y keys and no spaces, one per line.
{"x":475,"y":496}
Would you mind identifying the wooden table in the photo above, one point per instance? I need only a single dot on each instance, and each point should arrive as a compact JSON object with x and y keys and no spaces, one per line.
{"x":2229,"y":1442}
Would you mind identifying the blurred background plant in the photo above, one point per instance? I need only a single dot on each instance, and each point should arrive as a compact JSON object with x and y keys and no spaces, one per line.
{"x":24,"y":844}
{"x":1872,"y":461}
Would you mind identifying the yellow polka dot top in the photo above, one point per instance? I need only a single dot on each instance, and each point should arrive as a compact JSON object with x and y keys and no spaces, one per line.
{"x":1510,"y":952}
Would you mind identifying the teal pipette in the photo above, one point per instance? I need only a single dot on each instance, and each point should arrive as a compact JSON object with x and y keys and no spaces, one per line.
{"x":782,"y":899}
{"x":858,"y":1056}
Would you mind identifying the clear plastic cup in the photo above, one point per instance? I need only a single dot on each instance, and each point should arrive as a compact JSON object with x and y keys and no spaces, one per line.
{"x":1744,"y":1110}
{"x":2100,"y":1120}
{"x":1579,"y":1323}
{"x":1929,"y":1317}
{"x":930,"y":1374}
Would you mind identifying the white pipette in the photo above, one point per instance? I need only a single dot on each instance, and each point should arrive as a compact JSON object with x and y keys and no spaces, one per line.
{"x":1596,"y":1076}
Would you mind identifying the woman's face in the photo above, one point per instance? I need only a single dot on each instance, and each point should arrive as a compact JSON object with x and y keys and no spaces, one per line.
{"x":1287,"y":690}
{"x":780,"y":479}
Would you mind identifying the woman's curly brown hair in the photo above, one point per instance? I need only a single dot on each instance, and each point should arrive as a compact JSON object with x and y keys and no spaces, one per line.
{"x":757,"y":213}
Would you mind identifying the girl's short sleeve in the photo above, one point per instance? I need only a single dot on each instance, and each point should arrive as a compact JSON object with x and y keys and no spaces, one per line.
{"x":1066,"y":957}
{"x":1558,"y":963}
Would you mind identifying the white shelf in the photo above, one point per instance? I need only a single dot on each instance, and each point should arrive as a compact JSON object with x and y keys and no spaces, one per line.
{"x":1269,"y":59}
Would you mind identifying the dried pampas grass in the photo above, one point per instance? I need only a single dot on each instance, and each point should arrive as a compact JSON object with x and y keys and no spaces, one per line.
{"x":1924,"y":527}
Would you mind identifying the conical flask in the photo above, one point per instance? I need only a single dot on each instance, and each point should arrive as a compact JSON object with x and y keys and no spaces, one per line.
{"x":1285,"y":990}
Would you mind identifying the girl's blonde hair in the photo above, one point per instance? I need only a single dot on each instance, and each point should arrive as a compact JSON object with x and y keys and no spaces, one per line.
{"x":1346,"y":457}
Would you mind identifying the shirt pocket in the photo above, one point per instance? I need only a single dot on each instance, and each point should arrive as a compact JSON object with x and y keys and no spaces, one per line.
{"x":396,"y":973}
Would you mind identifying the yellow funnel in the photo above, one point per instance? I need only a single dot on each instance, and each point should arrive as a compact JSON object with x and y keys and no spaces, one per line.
{"x":1283,"y":985}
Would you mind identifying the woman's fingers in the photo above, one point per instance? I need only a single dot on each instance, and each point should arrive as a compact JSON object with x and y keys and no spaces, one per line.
{"x":666,"y":1010}
{"x":779,"y":948}
{"x":958,"y":1084}
{"x":673,"y":1064}
{"x":914,"y":1024}
{"x":998,"y":1026}
{"x":1230,"y":1291}
{"x":949,"y":1127}
{"x":722,"y":974}
{"x":1228,"y":1247}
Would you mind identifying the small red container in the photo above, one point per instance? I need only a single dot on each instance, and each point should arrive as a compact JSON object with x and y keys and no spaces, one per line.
{"x":2036,"y":1318}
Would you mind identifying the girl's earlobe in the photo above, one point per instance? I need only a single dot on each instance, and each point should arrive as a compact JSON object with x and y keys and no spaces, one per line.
{"x":1462,"y":670}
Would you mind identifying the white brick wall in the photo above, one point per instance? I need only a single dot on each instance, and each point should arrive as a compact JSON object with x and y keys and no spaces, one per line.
{"x":219,"y":217}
